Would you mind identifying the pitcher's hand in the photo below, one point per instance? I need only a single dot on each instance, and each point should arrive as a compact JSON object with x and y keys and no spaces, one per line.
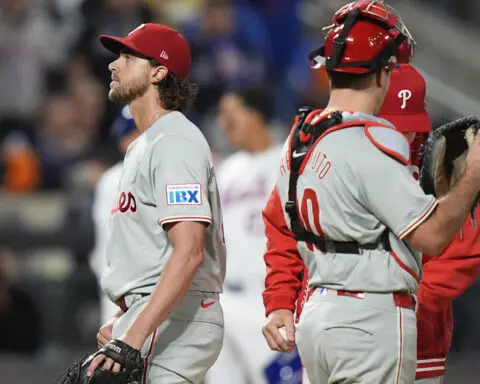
{"x":104,"y":334}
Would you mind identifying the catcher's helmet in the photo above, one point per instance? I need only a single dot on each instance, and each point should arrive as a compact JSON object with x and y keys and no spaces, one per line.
{"x":365,"y":36}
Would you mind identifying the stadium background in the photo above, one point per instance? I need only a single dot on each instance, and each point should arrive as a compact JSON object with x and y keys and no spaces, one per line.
{"x":55,"y":143}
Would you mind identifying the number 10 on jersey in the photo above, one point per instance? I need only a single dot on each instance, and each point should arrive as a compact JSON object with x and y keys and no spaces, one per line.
{"x":310,"y":214}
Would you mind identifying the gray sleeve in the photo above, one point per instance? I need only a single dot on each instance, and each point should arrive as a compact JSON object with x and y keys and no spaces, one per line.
{"x":390,"y":192}
{"x":180,"y":174}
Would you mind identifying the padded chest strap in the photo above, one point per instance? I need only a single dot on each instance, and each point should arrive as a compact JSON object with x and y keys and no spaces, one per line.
{"x":389,"y":141}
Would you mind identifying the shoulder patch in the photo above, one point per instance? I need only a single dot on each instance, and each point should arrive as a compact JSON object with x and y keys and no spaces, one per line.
{"x":390,"y":141}
{"x":184,"y":194}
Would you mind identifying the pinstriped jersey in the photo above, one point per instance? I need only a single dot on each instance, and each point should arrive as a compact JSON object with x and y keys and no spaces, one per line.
{"x":245,"y":181}
{"x":350,"y":190}
{"x":167,"y":176}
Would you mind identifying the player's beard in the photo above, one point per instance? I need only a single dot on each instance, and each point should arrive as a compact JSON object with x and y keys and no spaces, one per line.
{"x":125,"y":93}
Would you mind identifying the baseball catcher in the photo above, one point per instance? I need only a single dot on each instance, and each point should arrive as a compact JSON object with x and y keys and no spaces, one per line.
{"x":128,"y":361}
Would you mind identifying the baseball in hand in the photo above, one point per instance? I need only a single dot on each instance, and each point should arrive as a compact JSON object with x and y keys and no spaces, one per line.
{"x":283,"y":332}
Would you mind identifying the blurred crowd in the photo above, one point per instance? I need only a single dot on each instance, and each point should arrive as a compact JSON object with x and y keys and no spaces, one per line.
{"x":54,"y":114}
{"x":55,"y":118}
{"x":466,"y":11}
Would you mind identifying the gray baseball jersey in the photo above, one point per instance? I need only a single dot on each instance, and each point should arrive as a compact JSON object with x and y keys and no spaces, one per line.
{"x":245,"y":181}
{"x":352,"y":191}
{"x":167,"y":177}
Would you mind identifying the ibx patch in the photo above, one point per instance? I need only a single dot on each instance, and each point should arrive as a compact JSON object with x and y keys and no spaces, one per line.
{"x":184,"y":194}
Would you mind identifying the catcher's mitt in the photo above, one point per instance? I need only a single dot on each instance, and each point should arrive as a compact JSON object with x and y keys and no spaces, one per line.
{"x":131,"y":362}
{"x":445,"y":153}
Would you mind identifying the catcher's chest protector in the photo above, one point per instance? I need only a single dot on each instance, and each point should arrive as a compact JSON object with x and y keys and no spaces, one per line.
{"x":310,"y":128}
{"x":389,"y":141}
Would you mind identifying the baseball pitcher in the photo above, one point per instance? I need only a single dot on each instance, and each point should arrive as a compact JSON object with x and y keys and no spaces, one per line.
{"x":245,"y":180}
{"x":165,"y":253}
{"x":347,"y":203}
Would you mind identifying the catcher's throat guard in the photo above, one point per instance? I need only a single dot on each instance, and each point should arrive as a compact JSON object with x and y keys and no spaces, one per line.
{"x":309,"y":128}
{"x":445,"y":152}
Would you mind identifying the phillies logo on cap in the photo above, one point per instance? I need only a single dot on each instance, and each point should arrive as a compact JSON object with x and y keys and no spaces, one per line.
{"x":405,"y":95}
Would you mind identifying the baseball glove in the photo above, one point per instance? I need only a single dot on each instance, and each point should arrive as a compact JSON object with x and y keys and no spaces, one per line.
{"x":445,"y":153}
{"x":131,"y":362}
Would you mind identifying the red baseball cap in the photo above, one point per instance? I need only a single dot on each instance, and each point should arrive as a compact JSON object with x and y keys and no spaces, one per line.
{"x":405,"y":104}
{"x":158,"y":42}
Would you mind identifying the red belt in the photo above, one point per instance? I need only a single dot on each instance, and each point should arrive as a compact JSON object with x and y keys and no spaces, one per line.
{"x":400,"y":299}
{"x":404,"y":300}
{"x":123,"y":304}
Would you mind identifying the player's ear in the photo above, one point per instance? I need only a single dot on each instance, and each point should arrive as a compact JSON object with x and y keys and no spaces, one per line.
{"x":158,"y":74}
{"x":383,"y":78}
{"x":379,"y":78}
